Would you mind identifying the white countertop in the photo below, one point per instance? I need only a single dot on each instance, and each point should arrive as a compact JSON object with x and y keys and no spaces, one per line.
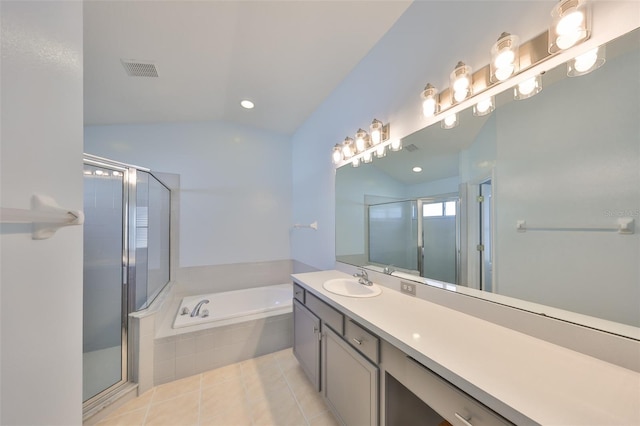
{"x":523,"y":378}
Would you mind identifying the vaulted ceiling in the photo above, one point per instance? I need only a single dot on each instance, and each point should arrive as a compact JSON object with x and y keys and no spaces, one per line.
{"x":285,"y":56}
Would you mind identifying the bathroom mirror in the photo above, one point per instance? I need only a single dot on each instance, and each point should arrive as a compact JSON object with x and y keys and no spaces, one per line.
{"x":539,"y":189}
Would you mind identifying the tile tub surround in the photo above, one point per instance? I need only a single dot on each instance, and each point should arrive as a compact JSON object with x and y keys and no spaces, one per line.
{"x":268,"y":390}
{"x":186,"y":354}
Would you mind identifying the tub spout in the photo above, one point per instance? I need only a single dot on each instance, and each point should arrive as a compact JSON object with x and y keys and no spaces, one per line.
{"x":196,"y":310}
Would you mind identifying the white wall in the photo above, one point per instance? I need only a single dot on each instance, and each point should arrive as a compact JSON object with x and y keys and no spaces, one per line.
{"x":235,"y":194}
{"x":41,"y":152}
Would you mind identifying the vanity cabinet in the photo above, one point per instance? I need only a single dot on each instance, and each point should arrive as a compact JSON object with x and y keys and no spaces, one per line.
{"x":339,"y":357}
{"x":349,"y":382}
{"x":306,"y":342}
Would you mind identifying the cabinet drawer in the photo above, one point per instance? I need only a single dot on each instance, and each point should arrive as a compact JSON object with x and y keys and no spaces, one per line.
{"x":327,"y":314}
{"x":362,"y":340}
{"x":298,"y":292}
{"x":449,"y":401}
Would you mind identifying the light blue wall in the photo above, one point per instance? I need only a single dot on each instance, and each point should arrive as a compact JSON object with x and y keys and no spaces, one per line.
{"x":416,"y":50}
{"x":235,"y":195}
{"x":355,"y":185}
{"x":570,"y":158}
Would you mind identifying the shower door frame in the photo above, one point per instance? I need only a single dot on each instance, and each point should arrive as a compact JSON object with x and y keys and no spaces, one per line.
{"x":128,"y":268}
{"x":443,"y":198}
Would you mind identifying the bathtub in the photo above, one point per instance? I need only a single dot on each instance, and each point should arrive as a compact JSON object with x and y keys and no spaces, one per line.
{"x":235,"y":306}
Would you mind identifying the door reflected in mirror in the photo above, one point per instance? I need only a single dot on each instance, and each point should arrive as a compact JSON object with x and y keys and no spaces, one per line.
{"x":539,"y":184}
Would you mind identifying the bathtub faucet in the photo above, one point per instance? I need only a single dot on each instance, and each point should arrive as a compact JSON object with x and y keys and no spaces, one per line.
{"x":196,"y":310}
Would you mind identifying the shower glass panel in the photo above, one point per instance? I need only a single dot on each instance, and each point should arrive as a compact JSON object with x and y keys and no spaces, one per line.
{"x":153,"y":204}
{"x":126,"y":265}
{"x":391,"y":225}
{"x":439,"y":241}
{"x":103,"y":334}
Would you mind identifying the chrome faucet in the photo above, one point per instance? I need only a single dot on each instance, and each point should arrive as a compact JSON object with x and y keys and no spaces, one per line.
{"x":196,"y":310}
{"x":363,"y":277}
{"x":389,"y":270}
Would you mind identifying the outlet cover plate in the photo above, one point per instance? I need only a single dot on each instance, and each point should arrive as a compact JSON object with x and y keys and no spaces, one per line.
{"x":408,"y":288}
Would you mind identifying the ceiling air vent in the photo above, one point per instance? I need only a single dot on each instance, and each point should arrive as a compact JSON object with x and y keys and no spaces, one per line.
{"x":139,"y":69}
{"x":411,"y":148}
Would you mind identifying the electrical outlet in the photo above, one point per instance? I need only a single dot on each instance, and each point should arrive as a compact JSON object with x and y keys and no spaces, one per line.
{"x":408,"y":288}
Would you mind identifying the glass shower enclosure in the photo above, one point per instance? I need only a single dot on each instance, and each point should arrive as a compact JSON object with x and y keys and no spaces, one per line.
{"x":126,"y":265}
{"x":419,"y":236}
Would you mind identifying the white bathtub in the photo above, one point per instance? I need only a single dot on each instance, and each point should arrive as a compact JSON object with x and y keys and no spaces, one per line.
{"x":236,"y":306}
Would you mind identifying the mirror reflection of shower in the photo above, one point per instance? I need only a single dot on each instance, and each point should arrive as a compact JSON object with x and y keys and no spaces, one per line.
{"x":439,"y":234}
{"x":432,"y":226}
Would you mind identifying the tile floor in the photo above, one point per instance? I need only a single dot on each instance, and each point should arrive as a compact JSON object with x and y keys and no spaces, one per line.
{"x":269,"y":390}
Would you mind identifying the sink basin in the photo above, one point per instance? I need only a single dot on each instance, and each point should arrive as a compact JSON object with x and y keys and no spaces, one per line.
{"x":351,"y":288}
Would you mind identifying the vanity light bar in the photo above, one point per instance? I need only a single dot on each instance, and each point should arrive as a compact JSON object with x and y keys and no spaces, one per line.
{"x":571,"y":25}
{"x":365,"y":146}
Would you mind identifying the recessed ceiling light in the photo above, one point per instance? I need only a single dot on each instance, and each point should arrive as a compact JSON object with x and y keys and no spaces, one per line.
{"x":417,"y":169}
{"x":247,"y":104}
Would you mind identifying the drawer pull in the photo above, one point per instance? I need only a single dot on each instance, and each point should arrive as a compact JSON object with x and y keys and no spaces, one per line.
{"x":356,"y":341}
{"x":463,"y":420}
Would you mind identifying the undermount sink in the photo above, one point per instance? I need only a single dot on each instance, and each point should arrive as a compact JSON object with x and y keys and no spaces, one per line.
{"x":351,"y":288}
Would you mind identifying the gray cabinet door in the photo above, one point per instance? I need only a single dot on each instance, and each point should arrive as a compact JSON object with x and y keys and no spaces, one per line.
{"x":350,"y":382}
{"x":306,"y":342}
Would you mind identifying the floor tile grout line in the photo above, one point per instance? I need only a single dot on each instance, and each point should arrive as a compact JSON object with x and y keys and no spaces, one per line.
{"x":200,"y":401}
{"x":295,"y":396}
{"x":146,"y":413}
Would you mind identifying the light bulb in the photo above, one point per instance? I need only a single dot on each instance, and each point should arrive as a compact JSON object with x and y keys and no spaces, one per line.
{"x":429,"y":107}
{"x":367,"y":157}
{"x":376,"y":131}
{"x":459,"y":95}
{"x":375,"y":137}
{"x":460,"y":80}
{"x":504,"y":73}
{"x":347,"y":148}
{"x":396,"y":145}
{"x":460,"y":84}
{"x":430,"y":104}
{"x":505,"y":59}
{"x":483,"y":107}
{"x":566,"y":41}
{"x":527,"y":86}
{"x":570,"y":23}
{"x":381,"y":151}
{"x":247,"y":104}
{"x":450,"y":119}
{"x":361,"y":143}
{"x":355,"y":162}
{"x":417,"y":169}
{"x":337,"y":154}
{"x":586,"y":60}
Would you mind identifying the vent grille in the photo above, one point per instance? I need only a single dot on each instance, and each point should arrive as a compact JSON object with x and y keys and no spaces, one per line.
{"x":411,"y":148}
{"x":139,"y":69}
